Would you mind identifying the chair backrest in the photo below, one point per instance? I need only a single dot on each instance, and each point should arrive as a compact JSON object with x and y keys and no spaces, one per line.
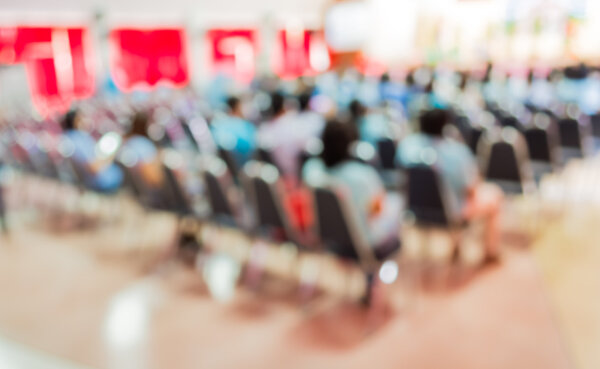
{"x":337,"y":228}
{"x":190,"y":135}
{"x":425,"y":197}
{"x":538,"y":144}
{"x":262,"y":183}
{"x":147,"y":195}
{"x":511,"y":121}
{"x":474,"y":137}
{"x":595,"y":123}
{"x":221,"y":208}
{"x":386,"y":149}
{"x":229,"y":160}
{"x":264,"y":155}
{"x":178,"y":201}
{"x":44,"y":164}
{"x":570,"y":133}
{"x":503,"y":167}
{"x":462,"y":123}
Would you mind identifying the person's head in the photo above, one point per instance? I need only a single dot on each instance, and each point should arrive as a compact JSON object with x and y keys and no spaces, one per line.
{"x":385,"y":78}
{"x":69,"y":121}
{"x":234,"y":105}
{"x":337,"y":138}
{"x":409,"y":80}
{"x":139,"y":125}
{"x":463,"y":79}
{"x":432,"y":122}
{"x":277,"y":104}
{"x":357,"y":109}
{"x":304,"y":101}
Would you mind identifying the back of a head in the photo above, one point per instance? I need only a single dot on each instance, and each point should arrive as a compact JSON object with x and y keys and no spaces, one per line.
{"x":139,"y":125}
{"x":277,"y":103}
{"x":432,"y":122}
{"x":357,"y":109}
{"x":304,"y":101}
{"x":337,"y":138}
{"x":233,"y":104}
{"x":69,"y":120}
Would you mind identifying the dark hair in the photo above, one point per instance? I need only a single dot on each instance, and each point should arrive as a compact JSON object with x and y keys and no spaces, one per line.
{"x":277,"y":101}
{"x":336,"y":138}
{"x":432,"y":122}
{"x":139,"y":125}
{"x":304,"y":100}
{"x":68,"y":121}
{"x":357,"y":109}
{"x":409,"y":80}
{"x":233,"y":103}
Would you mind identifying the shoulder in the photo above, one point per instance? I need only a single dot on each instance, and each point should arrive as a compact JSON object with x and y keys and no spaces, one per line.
{"x":358,"y":171}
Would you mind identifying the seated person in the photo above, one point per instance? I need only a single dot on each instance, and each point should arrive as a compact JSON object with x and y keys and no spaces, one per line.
{"x":278,"y":135}
{"x":378,"y":213}
{"x":372,"y":126}
{"x":469,"y":197}
{"x":139,"y":150}
{"x":97,"y":173}
{"x":233,"y":132}
{"x":309,"y":122}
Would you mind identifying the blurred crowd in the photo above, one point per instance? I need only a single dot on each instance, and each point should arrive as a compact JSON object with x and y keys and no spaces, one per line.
{"x":356,"y":134}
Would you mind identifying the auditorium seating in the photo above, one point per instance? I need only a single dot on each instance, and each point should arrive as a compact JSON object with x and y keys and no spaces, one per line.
{"x":338,"y":231}
{"x":506,"y":162}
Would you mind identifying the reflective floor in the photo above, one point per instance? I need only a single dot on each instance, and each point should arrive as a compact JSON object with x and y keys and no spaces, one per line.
{"x":69,"y":300}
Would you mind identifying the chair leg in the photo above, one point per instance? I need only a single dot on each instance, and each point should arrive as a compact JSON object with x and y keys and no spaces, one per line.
{"x":254,"y":270}
{"x":308,"y":268}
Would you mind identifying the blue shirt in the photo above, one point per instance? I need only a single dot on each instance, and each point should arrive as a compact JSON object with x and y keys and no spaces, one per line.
{"x":235,"y":134}
{"x":143,"y":149}
{"x":84,"y":154}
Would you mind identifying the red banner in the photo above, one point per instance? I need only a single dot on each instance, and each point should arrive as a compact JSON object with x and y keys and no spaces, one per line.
{"x":141,"y":59}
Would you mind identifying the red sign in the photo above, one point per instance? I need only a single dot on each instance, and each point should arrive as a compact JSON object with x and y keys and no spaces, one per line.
{"x":233,"y":52}
{"x":141,"y":59}
{"x":57,"y":63}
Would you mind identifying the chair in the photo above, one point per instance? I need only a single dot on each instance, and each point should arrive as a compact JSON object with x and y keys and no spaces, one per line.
{"x":229,"y":159}
{"x":190,"y":135}
{"x":474,"y":137}
{"x":595,"y":124}
{"x":215,"y":179}
{"x":265,"y":155}
{"x":462,"y":123}
{"x":434,"y":233}
{"x":425,"y":199}
{"x":386,"y":149}
{"x":541,"y":152}
{"x":570,"y":138}
{"x":338,"y":230}
{"x":151,"y":198}
{"x":506,"y":163}
{"x":263,"y":187}
{"x":511,"y":121}
{"x":177,"y":200}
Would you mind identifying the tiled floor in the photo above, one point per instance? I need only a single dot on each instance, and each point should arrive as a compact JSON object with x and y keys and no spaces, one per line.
{"x":569,"y":259}
{"x":63,"y":297}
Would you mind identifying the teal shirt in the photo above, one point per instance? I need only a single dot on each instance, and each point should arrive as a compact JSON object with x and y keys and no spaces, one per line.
{"x":453,"y":160}
{"x":359,"y":183}
{"x":235,"y":134}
